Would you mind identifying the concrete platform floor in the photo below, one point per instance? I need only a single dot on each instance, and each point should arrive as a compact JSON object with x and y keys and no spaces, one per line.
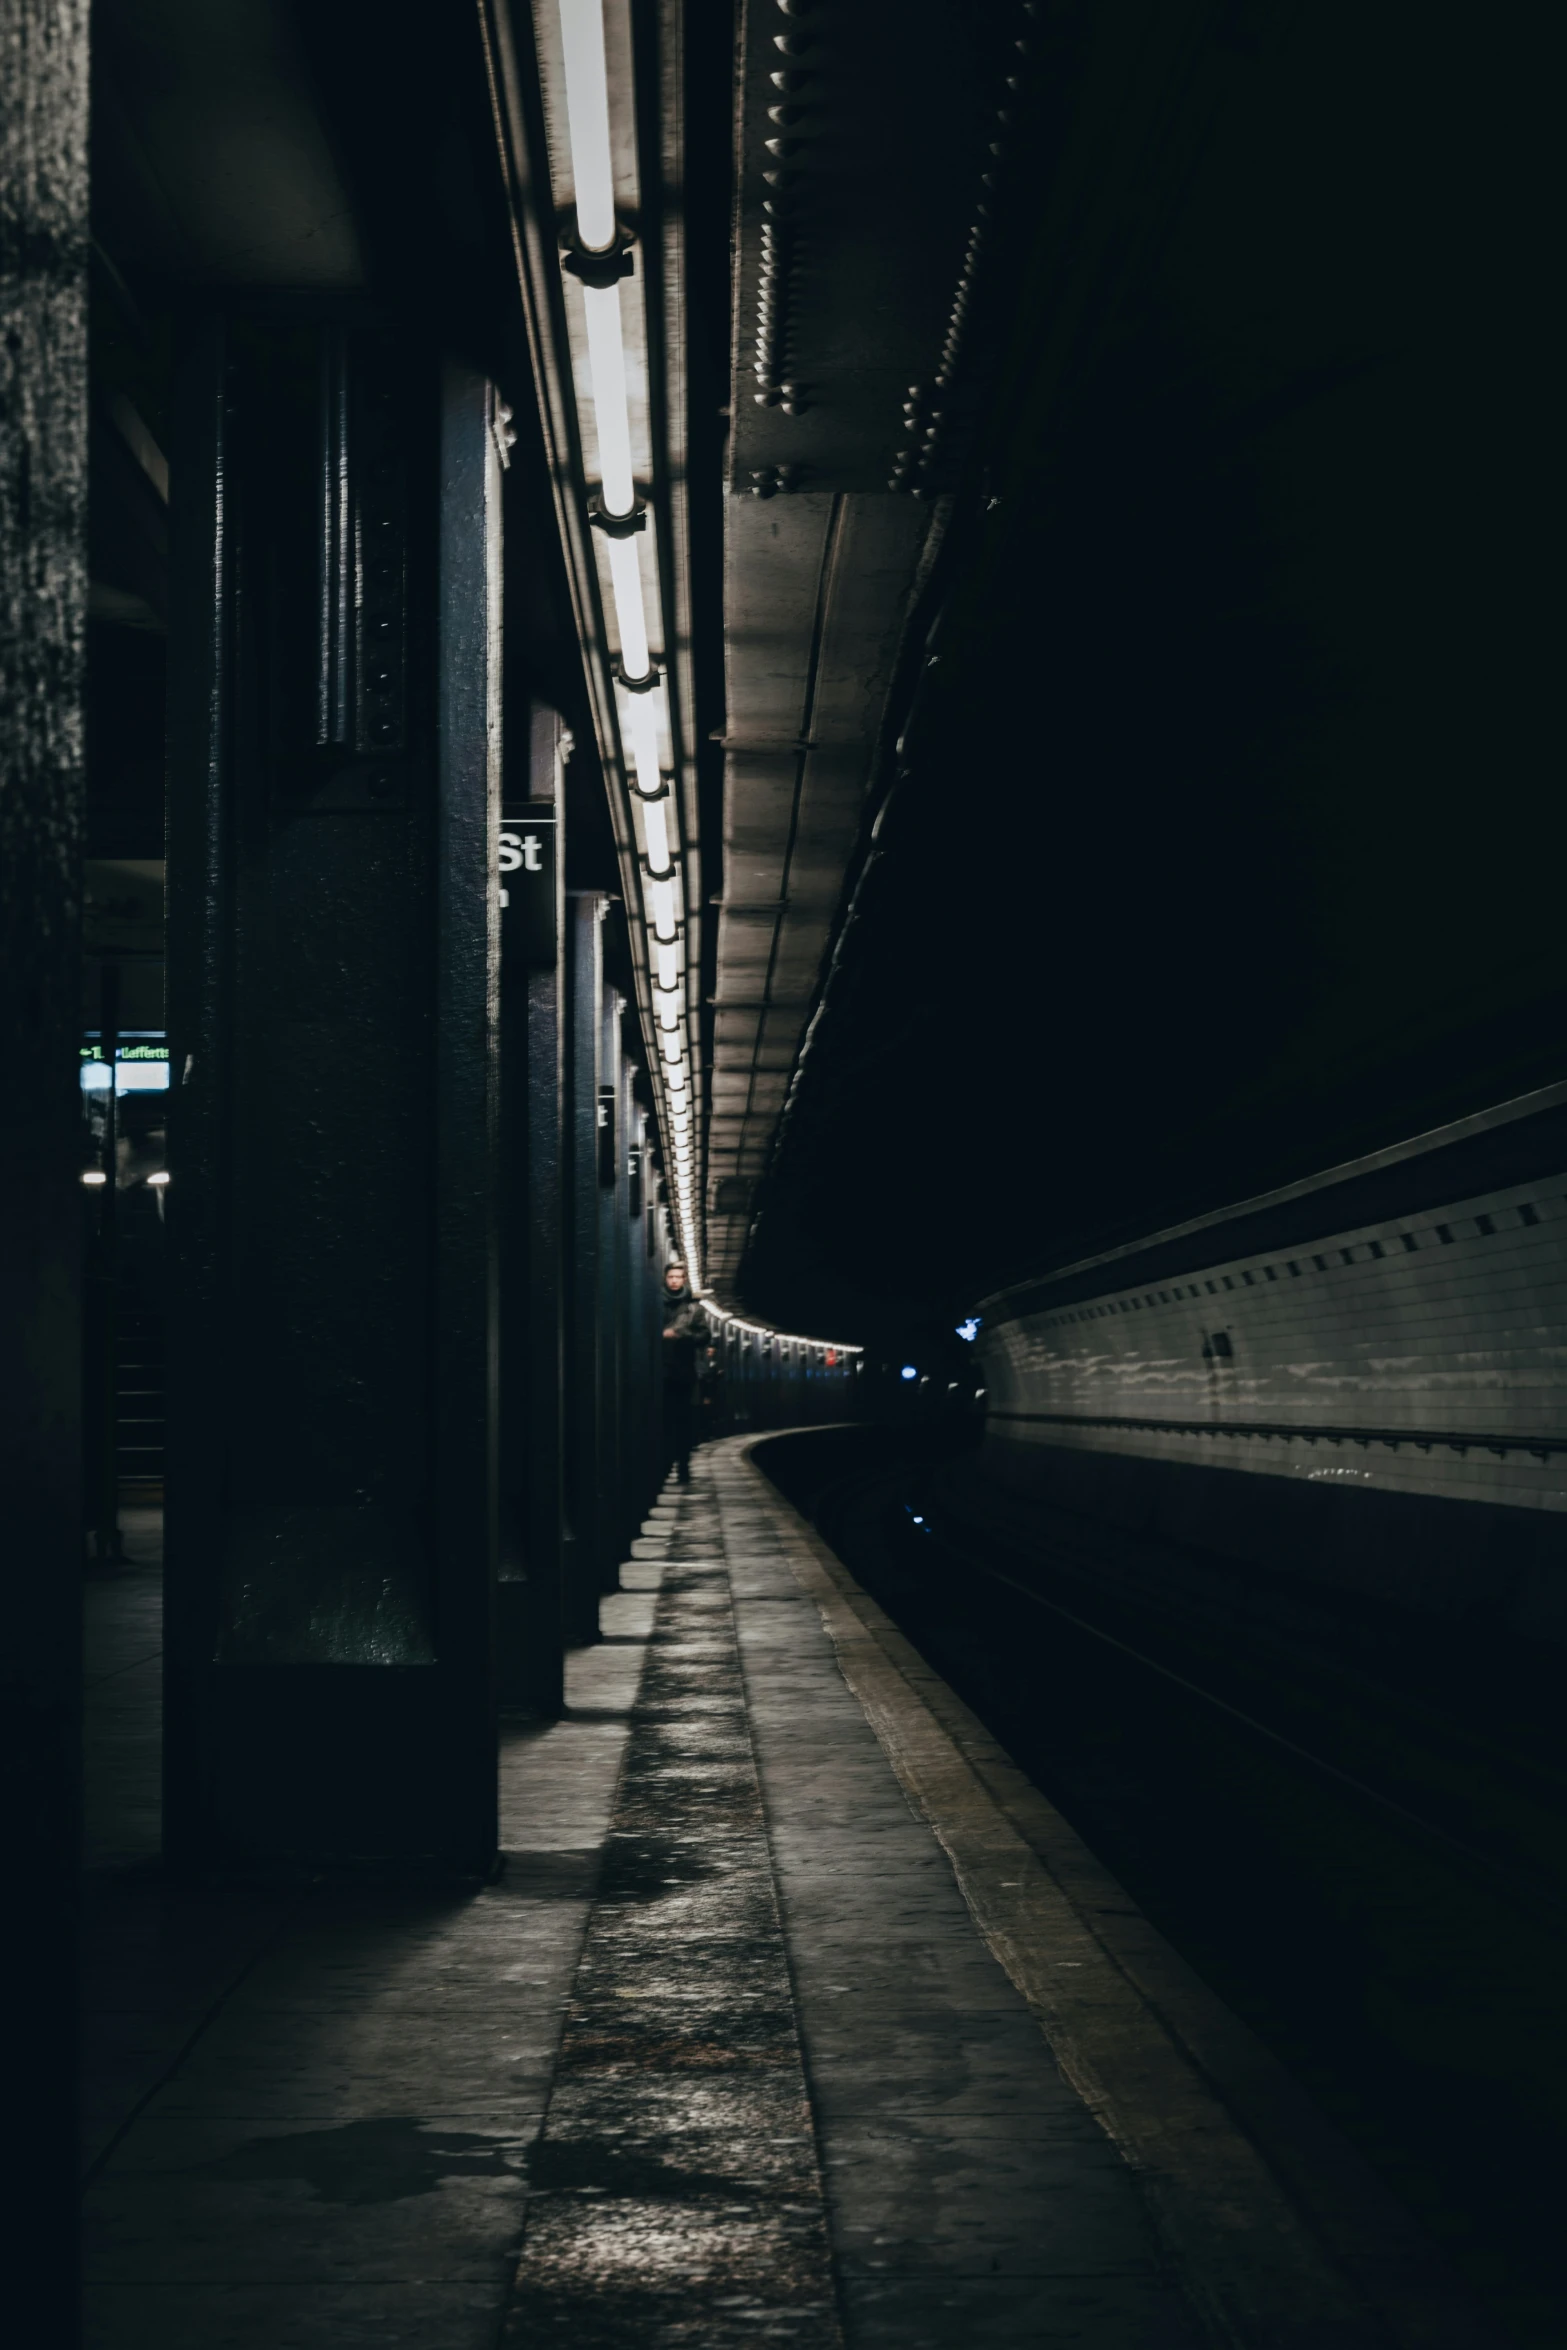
{"x":791,"y":2017}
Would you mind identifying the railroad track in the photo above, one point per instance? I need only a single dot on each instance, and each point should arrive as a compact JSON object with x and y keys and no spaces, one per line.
{"x":1407,"y":1975}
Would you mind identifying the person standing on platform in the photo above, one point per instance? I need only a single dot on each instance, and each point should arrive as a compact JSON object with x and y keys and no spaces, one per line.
{"x":681,"y":1337}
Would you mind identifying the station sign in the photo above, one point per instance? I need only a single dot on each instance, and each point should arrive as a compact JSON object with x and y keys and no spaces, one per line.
{"x":141,"y":1065}
{"x":526,"y":864}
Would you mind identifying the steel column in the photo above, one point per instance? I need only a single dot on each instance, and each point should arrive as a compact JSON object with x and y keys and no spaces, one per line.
{"x":533,"y":929}
{"x":333,"y":802}
{"x":611,"y":1154}
{"x":635,"y":1401}
{"x":584,"y":1453}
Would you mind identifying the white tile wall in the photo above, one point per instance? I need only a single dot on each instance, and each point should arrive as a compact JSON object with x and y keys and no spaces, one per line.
{"x":1449,"y":1321}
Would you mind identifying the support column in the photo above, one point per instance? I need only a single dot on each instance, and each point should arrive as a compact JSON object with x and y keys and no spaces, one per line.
{"x":533,"y":933}
{"x":611,"y":1133}
{"x":334,"y":738}
{"x":585,"y":1510}
{"x":43,"y":603}
{"x":100,"y":1336}
{"x":658,"y":1265}
{"x":653,"y":1243}
{"x":635,"y":1401}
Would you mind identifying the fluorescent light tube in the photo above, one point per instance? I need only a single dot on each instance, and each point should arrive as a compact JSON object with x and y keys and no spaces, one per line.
{"x":625,"y":579}
{"x":587,"y":117}
{"x":607,"y":366}
{"x":657,"y":835}
{"x":642,"y":741}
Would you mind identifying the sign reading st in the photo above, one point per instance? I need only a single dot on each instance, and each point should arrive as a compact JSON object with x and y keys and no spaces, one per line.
{"x":526,"y":864}
{"x":520,"y":848}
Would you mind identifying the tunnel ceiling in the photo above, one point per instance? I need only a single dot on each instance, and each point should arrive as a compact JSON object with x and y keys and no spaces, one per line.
{"x":1216,"y":819}
{"x":213,"y":161}
{"x":863,"y":143}
{"x":1131,"y":599}
{"x":835,"y":253}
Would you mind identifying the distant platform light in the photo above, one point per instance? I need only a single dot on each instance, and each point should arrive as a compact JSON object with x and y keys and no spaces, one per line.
{"x":969,"y":1329}
{"x":160,"y":1179}
{"x":94,"y":1176}
{"x":908,"y":1372}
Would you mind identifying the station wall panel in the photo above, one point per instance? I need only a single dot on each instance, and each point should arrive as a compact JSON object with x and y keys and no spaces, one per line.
{"x":1419,"y":1355}
{"x":1380,"y":1406}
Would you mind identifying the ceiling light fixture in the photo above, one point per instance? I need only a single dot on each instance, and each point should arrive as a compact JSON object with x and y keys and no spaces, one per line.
{"x":607,"y":366}
{"x":639,"y":717}
{"x":625,"y":578}
{"x":592,"y":168}
{"x":587,"y":114}
{"x":655,"y":831}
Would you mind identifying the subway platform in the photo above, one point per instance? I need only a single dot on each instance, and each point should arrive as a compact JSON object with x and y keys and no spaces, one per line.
{"x":795,"y":2014}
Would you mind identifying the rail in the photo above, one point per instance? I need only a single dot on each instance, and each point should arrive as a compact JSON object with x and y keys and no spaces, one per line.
{"x":1459,"y":1440}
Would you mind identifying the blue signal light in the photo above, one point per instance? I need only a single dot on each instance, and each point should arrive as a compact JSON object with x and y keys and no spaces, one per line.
{"x":969,"y":1329}
{"x":908,"y":1372}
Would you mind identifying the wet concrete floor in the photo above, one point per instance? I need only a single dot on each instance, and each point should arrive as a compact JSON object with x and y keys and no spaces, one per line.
{"x":723,"y":2056}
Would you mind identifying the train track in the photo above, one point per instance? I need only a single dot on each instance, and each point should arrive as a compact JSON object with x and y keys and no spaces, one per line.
{"x":1408,"y":1976}
{"x":1538,"y":1893}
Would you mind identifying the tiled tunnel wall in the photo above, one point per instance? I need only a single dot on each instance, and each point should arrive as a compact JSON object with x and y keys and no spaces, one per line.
{"x":1381,"y":1404}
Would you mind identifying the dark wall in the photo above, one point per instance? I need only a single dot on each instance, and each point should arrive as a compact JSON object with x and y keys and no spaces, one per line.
{"x":757,"y":1379}
{"x":1227,"y":836}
